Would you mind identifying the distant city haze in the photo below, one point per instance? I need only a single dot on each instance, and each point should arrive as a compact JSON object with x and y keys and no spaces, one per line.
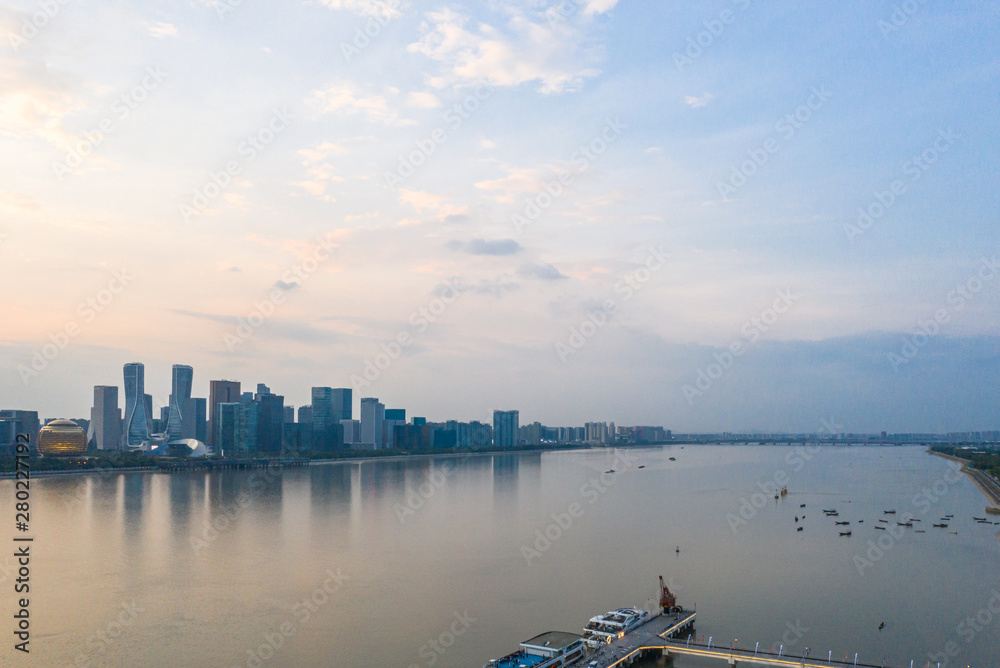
{"x":711,"y":218}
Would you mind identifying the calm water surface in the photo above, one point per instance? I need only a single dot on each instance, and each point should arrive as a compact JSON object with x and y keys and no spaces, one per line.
{"x":366,"y":564}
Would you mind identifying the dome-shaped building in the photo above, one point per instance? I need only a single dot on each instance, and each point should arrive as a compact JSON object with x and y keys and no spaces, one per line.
{"x":62,"y":438}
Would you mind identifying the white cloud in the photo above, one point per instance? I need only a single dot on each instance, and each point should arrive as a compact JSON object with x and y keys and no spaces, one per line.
{"x":531,"y":49}
{"x":422,"y":100}
{"x":161,"y":29}
{"x":695,"y":102}
{"x":346,"y":98}
{"x":425,"y":202}
{"x":389,"y":8}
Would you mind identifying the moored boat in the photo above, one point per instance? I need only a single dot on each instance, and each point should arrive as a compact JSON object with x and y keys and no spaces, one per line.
{"x":551,"y":649}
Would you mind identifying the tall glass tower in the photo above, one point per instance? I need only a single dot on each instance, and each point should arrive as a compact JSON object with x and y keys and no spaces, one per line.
{"x":137,"y":420}
{"x":180,"y":395}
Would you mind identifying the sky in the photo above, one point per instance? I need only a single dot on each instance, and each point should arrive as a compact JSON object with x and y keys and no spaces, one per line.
{"x":720,"y":216}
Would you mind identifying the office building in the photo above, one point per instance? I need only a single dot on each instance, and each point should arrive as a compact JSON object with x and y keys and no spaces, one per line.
{"x":505,"y":429}
{"x":14,"y":422}
{"x":372,"y":417}
{"x":220,"y":392}
{"x":270,"y":424}
{"x":288,"y":414}
{"x":305,"y":415}
{"x":226,"y":428}
{"x":138,"y":407}
{"x":182,"y":376}
{"x":105,"y":419}
{"x":351,"y":432}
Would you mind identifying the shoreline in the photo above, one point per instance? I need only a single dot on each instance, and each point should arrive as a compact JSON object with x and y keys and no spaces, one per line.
{"x":976,"y":476}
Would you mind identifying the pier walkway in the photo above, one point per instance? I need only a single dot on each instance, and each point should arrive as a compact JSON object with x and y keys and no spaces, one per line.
{"x":670,"y":635}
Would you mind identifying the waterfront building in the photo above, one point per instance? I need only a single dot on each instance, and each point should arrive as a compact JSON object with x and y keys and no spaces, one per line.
{"x":219,"y":392}
{"x":138,"y":407}
{"x":182,"y":377}
{"x":372,"y":417}
{"x":505,"y":429}
{"x":106,"y":419}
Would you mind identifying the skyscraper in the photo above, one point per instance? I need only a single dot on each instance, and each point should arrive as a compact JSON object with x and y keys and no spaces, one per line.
{"x":106,"y":418}
{"x":342,"y":400}
{"x":329,"y":407}
{"x":505,"y":429}
{"x":180,"y":394}
{"x":227,"y":424}
{"x":135,"y":429}
{"x":372,"y":417}
{"x":271,"y":420}
{"x":220,"y":392}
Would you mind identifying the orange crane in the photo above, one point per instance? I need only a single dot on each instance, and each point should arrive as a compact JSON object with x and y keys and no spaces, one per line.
{"x":668,"y":602}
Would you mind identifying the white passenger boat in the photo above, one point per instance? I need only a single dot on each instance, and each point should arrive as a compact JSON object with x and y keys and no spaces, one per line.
{"x":548,"y":650}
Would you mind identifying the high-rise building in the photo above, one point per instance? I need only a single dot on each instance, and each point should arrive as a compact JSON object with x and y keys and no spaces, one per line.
{"x":106,"y":418}
{"x":505,"y":429}
{"x":220,"y":392}
{"x":14,"y":422}
{"x":182,"y":376}
{"x":372,"y":417}
{"x":288,"y":414}
{"x":395,"y":414}
{"x":342,"y":402}
{"x":138,"y":418}
{"x":248,"y":432}
{"x":306,"y":415}
{"x":352,"y":431}
{"x":227,"y":426}
{"x":271,"y":419}
{"x":195,"y":423}
{"x":329,"y":407}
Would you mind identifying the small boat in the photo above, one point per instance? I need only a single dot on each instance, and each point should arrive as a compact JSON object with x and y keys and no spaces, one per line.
{"x":845,"y":533}
{"x":829,"y":511}
{"x":841,"y":524}
{"x":802,"y":505}
{"x":799,"y":529}
{"x":919,"y":531}
{"x":610,"y":471}
{"x":796,"y":518}
{"x":905,"y":524}
{"x":880,"y":528}
{"x":885,"y":521}
{"x":643,"y":466}
{"x":881,"y":626}
{"x":953,"y":533}
{"x":914,"y":520}
{"x":888,"y":512}
{"x":833,"y":514}
{"x":673,"y":459}
{"x":940,"y":526}
{"x":861,"y":521}
{"x":979,"y":519}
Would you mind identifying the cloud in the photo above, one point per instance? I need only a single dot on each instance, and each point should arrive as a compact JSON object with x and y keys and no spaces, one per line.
{"x":532,"y":48}
{"x":17,"y":201}
{"x":696,"y":102}
{"x":161,"y":29}
{"x":321,"y":152}
{"x":388,"y":8}
{"x":347,"y":99}
{"x":287,"y":287}
{"x":422,"y":100}
{"x":486,"y":247}
{"x":518,"y":180}
{"x":543,"y":272}
{"x":320,"y":173}
{"x":425,"y":202}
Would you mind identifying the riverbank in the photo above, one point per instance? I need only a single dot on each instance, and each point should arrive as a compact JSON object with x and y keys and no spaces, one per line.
{"x":987,"y":485}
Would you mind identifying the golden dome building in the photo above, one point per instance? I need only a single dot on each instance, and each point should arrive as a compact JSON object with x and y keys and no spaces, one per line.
{"x":62,"y":438}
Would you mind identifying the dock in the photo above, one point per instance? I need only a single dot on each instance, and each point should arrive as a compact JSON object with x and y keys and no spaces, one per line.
{"x":673,"y":635}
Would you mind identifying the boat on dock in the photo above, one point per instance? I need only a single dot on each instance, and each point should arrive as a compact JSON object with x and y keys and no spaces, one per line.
{"x":612,"y":625}
{"x":551,"y":649}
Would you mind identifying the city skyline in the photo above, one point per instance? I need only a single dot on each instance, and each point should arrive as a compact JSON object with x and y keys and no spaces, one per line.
{"x":573,"y":208}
